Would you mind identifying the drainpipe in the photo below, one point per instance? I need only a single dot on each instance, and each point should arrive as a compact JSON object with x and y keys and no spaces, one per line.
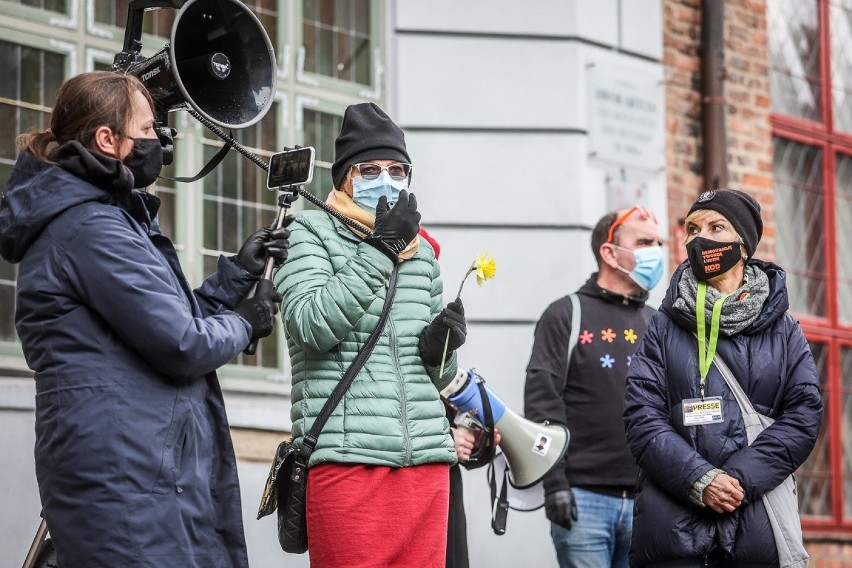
{"x":712,"y":93}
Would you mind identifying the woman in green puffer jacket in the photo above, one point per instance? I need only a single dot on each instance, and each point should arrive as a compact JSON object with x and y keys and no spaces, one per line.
{"x":377,"y":487}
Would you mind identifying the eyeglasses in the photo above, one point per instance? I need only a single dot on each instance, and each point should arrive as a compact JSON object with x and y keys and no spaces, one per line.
{"x":370,"y":171}
{"x":644,"y":214}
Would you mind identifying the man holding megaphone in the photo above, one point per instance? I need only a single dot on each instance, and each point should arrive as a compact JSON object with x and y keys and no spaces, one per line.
{"x":576,"y":376}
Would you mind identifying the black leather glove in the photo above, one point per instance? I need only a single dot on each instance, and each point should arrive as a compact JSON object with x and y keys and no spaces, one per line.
{"x":259,"y":311}
{"x":560,"y":508}
{"x":267,"y":241}
{"x":395,"y":226}
{"x":434,"y":335}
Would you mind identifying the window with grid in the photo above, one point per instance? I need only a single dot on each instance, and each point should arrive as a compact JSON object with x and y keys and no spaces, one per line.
{"x":811,"y":91}
{"x":236,"y":203}
{"x":337,"y":39}
{"x":155,"y":22}
{"x":320,"y":131}
{"x":267,"y":12}
{"x":52,"y":5}
{"x":31,"y":78}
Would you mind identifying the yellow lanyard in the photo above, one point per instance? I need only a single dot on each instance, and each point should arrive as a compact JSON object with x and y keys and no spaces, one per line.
{"x":705,"y":356}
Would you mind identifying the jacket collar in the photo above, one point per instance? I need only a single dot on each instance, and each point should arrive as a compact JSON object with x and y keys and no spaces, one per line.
{"x":591,"y":288}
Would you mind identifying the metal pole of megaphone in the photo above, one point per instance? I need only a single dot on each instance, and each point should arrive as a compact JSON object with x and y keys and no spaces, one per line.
{"x":287,"y":172}
{"x":531,"y":449}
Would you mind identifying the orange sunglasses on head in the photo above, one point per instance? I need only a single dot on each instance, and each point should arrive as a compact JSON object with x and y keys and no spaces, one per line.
{"x":644,"y":214}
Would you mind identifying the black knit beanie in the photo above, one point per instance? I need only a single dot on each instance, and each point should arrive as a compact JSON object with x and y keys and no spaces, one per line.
{"x":741,"y":209}
{"x":367,"y":134}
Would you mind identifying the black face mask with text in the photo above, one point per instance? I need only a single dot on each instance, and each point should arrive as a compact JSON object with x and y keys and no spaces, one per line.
{"x":145,"y":161}
{"x":708,"y":258}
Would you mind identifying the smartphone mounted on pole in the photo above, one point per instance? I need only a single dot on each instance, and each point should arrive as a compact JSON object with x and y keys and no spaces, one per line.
{"x":290,"y":168}
{"x":287,"y":171}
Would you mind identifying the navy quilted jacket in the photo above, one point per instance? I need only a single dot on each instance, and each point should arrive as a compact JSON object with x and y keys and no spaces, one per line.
{"x":772,"y":361}
{"x":133,"y":453}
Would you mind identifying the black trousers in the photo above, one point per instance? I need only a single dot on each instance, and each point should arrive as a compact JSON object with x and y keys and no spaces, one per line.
{"x":457,"y":525}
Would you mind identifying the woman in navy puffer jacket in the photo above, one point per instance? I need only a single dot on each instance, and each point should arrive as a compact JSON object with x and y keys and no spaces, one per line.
{"x":699,"y":501}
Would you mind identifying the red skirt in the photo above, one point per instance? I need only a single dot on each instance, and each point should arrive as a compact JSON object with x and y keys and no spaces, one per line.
{"x":371,"y":516}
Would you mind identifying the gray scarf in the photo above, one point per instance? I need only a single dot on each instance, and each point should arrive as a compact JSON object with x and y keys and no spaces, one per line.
{"x":738,"y":310}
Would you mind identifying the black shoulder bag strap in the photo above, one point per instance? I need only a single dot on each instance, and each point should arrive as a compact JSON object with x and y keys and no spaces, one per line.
{"x":309,"y":442}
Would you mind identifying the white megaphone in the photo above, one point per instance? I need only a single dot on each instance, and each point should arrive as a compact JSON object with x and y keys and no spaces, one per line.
{"x":531,"y":449}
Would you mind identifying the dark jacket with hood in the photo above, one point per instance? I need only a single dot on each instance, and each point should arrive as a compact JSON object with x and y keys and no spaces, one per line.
{"x":772,"y":361}
{"x":133,"y":454}
{"x":587,"y":395}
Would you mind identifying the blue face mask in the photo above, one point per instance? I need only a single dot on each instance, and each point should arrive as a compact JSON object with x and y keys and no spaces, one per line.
{"x":366,"y":193}
{"x":649,"y":266}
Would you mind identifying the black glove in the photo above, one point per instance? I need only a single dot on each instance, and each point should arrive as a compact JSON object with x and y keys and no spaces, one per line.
{"x":395,"y":227}
{"x":434,"y":335}
{"x":560,"y":508}
{"x":268,"y":241}
{"x":259,"y":311}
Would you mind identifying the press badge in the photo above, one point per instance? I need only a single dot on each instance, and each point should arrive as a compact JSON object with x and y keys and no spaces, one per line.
{"x":698,"y":411}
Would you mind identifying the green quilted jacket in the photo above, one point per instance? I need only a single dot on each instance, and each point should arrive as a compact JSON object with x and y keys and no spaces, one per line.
{"x":333,"y":288}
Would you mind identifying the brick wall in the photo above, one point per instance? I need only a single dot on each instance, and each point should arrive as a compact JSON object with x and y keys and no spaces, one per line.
{"x":749,"y":147}
{"x":746,"y":91}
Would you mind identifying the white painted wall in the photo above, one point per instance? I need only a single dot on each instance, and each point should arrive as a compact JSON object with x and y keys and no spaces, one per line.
{"x":493,"y":96}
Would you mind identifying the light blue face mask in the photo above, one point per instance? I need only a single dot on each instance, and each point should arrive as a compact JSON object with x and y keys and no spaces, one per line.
{"x":366,"y":193}
{"x":649,"y":266}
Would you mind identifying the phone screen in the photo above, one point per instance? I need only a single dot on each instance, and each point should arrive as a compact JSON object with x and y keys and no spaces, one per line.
{"x":291,"y":167}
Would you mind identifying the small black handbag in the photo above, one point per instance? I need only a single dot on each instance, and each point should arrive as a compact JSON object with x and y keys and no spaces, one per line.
{"x":285,"y":488}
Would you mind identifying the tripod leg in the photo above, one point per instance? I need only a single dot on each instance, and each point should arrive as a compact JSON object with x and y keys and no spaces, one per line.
{"x":38,"y":543}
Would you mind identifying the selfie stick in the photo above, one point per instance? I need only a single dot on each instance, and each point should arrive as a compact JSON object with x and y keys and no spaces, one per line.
{"x":285,"y":198}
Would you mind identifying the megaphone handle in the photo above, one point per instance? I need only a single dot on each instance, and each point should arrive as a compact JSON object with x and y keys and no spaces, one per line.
{"x":265,"y":284}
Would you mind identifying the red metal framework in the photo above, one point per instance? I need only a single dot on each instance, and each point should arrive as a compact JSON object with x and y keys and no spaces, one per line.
{"x":829,"y":330}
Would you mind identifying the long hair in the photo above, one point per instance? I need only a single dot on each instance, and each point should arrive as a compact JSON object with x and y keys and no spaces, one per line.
{"x":85,"y":103}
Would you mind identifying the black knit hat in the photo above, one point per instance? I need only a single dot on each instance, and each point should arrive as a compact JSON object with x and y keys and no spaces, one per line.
{"x":741,"y":209}
{"x":367,"y":134}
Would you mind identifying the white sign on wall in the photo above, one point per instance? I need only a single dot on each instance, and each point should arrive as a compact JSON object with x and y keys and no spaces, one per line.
{"x":626,"y":117}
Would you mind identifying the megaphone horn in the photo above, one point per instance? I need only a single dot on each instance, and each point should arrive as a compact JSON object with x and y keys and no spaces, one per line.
{"x":219,"y":62}
{"x":531,"y":449}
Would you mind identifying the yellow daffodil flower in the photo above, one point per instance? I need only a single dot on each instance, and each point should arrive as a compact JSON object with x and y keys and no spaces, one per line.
{"x":485,"y":268}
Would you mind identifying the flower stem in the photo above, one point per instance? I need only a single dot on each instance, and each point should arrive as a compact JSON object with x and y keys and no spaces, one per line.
{"x":444,"y":355}
{"x":447,"y":340}
{"x":468,"y":273}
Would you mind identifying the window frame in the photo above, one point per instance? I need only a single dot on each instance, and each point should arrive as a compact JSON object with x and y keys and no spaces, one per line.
{"x":827,"y":330}
{"x":11,"y":352}
{"x":88,"y":44}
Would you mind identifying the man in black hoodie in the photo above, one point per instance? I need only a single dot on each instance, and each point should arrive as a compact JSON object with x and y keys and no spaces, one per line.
{"x":576,"y":377}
